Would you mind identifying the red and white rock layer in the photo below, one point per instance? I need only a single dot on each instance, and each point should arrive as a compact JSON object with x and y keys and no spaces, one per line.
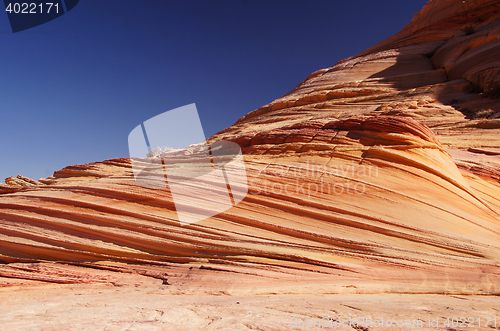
{"x":377,"y":175}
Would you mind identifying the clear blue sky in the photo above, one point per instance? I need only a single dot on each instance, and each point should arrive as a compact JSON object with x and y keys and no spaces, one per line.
{"x":71,"y":90}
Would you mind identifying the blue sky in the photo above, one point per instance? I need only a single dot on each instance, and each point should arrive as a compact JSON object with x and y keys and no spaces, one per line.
{"x":71,"y":90}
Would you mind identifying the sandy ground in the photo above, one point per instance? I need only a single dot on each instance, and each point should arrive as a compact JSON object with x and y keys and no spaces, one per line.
{"x":149,"y":305}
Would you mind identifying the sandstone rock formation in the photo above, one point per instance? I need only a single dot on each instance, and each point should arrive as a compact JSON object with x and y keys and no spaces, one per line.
{"x":377,"y":175}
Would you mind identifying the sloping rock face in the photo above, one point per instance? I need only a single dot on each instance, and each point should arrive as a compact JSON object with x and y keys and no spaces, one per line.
{"x":379,"y":174}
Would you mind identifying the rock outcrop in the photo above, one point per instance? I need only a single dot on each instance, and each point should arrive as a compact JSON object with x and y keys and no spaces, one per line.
{"x":379,"y":174}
